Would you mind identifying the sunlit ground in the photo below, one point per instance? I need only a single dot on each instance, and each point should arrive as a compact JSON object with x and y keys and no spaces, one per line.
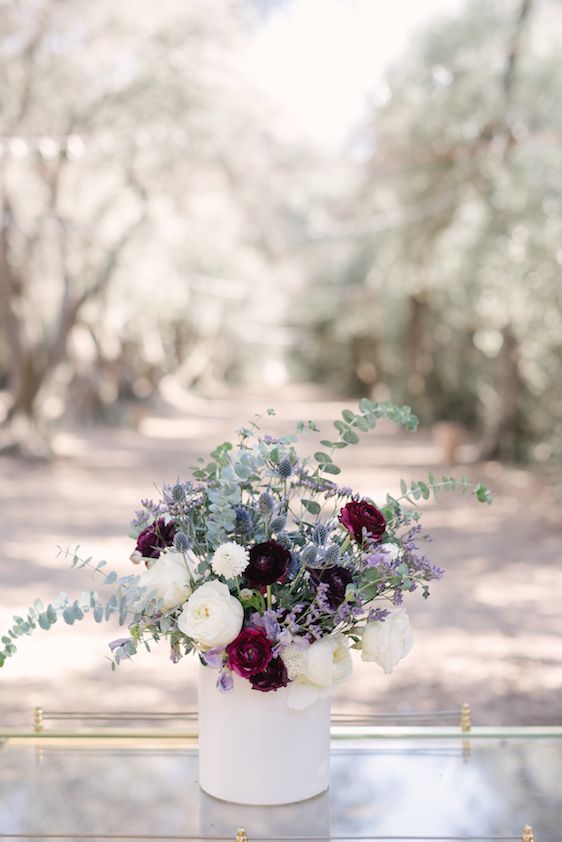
{"x":489,"y":634}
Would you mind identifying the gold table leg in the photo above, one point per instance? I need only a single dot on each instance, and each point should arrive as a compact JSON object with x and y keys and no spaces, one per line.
{"x":38,"y":720}
{"x":528,"y":835}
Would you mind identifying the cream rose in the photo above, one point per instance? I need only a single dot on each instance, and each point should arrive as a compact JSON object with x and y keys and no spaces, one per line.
{"x":168,"y":579}
{"x":212,"y":616}
{"x":388,"y":642}
{"x":322,"y":666}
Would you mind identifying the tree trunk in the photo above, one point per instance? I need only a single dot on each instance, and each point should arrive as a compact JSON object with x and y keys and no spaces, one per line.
{"x":502,"y":433}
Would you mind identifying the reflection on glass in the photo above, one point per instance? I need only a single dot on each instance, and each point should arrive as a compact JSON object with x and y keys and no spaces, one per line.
{"x":379,"y":787}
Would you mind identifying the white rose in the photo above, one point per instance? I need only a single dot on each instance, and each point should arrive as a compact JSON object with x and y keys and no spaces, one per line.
{"x":212,"y":616}
{"x":388,"y":642}
{"x":168,"y":578}
{"x":324,"y":664}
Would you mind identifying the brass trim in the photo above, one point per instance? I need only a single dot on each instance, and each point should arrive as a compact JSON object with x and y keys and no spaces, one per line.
{"x":38,"y":724}
{"x":528,"y":835}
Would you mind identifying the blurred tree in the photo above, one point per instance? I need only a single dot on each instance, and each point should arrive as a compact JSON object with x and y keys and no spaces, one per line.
{"x":136,"y":183}
{"x":455,"y":248}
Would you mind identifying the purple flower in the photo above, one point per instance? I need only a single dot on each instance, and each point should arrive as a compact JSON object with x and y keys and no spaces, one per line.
{"x":152,"y":540}
{"x":272,"y":678}
{"x":269,"y":563}
{"x":225,"y":681}
{"x":214,"y":657}
{"x":336,"y":579}
{"x":267,"y":622}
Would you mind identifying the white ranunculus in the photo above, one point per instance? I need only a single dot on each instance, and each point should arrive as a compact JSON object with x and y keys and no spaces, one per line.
{"x":230,"y":560}
{"x":324,"y":664}
{"x":212,"y":616}
{"x":169,"y":579}
{"x":389,"y":641}
{"x":328,"y":661}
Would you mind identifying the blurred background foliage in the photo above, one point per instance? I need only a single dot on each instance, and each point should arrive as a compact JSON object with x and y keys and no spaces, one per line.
{"x":162,"y":229}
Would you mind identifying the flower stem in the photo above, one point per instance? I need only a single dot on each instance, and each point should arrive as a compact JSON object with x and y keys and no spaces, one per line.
{"x":269,"y":603}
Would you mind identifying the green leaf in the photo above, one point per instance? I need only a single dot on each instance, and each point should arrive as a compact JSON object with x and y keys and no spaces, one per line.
{"x":362,"y":424}
{"x":321,"y":457}
{"x":350,"y":436}
{"x":51,"y":614}
{"x":68,"y":615}
{"x":404,"y":487}
{"x":312,"y":506}
{"x":483,"y":493}
{"x":331,"y":469}
{"x":348,"y":416}
{"x":424,"y":490}
{"x":110,"y":578}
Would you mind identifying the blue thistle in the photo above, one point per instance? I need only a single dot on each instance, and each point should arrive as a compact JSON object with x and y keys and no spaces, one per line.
{"x":284,"y":540}
{"x":181,"y":542}
{"x":332,"y":554}
{"x":244,"y":519}
{"x":309,"y":554}
{"x":178,"y":493}
{"x":278,"y":523}
{"x":265,"y":503}
{"x":320,"y":534}
{"x":284,"y":468}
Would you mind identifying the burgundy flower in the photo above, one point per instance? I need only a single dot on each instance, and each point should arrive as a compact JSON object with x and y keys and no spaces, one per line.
{"x":249,"y":653}
{"x":272,"y":678}
{"x":337,"y":578}
{"x":268,"y":564}
{"x":152,"y":540}
{"x":358,"y":515}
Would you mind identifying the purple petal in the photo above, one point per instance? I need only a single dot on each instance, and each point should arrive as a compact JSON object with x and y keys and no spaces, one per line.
{"x":225,"y":682}
{"x":214,"y":657}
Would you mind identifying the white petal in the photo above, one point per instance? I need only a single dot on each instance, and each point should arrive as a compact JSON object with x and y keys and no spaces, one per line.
{"x":301,"y":693}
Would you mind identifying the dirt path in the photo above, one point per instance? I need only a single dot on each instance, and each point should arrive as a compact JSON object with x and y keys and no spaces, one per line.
{"x":490,"y":634}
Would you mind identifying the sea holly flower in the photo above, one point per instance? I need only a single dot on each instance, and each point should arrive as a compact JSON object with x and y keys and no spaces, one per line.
{"x":358,"y":516}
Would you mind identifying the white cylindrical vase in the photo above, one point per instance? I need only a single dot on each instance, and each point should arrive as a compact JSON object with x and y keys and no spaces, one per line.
{"x":254,"y":749}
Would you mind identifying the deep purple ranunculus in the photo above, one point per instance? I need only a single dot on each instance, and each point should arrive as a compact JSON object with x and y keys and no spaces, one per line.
{"x":269,"y":563}
{"x":249,"y":653}
{"x":152,"y":540}
{"x":272,"y":678}
{"x":358,"y":515}
{"x":337,"y":579}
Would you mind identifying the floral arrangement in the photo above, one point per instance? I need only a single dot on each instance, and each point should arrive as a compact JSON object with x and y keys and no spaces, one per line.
{"x":267,"y":568}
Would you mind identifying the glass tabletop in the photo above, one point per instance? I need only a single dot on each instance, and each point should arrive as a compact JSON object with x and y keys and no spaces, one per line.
{"x":399,"y":785}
